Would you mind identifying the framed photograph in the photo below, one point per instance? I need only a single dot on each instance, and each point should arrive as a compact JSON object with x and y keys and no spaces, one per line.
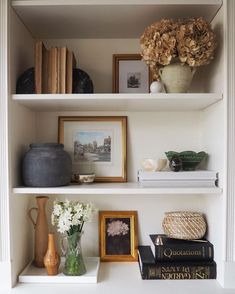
{"x":96,"y":144}
{"x":118,"y":235}
{"x":130,"y":74}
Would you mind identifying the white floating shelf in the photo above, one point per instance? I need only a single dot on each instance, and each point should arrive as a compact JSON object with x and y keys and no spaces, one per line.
{"x":123,"y":277}
{"x":32,"y":274}
{"x":110,"y":18}
{"x":114,"y":189}
{"x":119,"y":102}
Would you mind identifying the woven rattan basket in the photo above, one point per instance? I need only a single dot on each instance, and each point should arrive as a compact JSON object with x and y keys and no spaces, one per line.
{"x":184,"y":225}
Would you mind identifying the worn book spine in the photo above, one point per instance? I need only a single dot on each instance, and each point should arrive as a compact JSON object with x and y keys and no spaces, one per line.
{"x":45,"y":70}
{"x":180,"y":271}
{"x":58,"y":69}
{"x":174,"y":271}
{"x":62,"y":73}
{"x":53,"y":71}
{"x":70,"y":65}
{"x":41,"y":68}
{"x":38,"y":66}
{"x":183,"y":251}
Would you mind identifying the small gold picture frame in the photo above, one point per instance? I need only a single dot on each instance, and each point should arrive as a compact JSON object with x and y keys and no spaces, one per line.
{"x":118,"y":239}
{"x":97,"y":144}
{"x":130,"y":74}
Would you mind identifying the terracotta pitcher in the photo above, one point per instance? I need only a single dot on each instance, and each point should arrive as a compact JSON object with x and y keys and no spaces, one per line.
{"x":51,"y":259}
{"x":41,"y":230}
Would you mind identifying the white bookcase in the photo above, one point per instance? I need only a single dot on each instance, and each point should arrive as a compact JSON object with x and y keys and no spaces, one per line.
{"x":199,"y":120}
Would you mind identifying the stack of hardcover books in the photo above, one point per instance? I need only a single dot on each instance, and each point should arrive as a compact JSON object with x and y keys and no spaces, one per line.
{"x":173,"y":259}
{"x":199,"y":178}
{"x":53,"y":69}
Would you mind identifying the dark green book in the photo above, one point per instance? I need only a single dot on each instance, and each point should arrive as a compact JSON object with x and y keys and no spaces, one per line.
{"x":180,"y":270}
{"x":168,"y":249}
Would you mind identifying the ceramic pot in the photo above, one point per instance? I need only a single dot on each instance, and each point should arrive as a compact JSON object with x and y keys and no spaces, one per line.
{"x":47,"y":165}
{"x":51,"y":259}
{"x":41,"y":230}
{"x":176,"y":77}
{"x":190,"y":159}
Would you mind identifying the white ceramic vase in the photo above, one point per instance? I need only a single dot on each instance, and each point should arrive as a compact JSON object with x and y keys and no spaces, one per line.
{"x":176,"y":77}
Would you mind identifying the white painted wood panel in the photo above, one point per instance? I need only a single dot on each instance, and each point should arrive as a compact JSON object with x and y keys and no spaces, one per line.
{"x":5,"y":254}
{"x":21,"y":129}
{"x":118,"y":102}
{"x":32,"y":274}
{"x":77,"y":19}
{"x":125,"y":278}
{"x":114,"y":189}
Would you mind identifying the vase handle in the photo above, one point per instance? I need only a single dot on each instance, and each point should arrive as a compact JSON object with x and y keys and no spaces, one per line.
{"x":160,"y":72}
{"x":193,"y":70}
{"x":30,"y":215}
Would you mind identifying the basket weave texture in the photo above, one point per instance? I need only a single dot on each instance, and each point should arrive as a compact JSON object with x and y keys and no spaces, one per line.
{"x":184,"y":225}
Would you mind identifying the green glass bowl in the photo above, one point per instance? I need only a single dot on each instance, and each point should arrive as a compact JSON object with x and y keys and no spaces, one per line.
{"x":190,"y":159}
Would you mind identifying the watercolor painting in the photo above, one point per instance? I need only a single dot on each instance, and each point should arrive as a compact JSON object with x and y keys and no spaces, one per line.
{"x":94,"y":146}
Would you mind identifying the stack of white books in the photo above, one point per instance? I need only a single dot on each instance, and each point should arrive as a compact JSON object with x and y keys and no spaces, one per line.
{"x":198,"y":178}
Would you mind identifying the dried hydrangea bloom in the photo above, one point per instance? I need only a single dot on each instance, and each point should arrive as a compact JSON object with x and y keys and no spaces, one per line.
{"x":195,"y":42}
{"x":191,"y":41}
{"x":158,"y":43}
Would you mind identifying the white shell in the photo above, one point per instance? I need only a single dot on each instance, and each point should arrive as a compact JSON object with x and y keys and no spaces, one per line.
{"x":156,"y":87}
{"x":149,"y":164}
{"x":161,"y":164}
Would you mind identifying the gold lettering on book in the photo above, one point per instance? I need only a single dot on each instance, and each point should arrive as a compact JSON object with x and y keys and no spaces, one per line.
{"x":176,"y":276}
{"x":168,"y":252}
{"x":178,"y":272}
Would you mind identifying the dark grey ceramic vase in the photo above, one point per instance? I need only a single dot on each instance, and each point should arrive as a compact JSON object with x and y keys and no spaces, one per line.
{"x":47,"y":165}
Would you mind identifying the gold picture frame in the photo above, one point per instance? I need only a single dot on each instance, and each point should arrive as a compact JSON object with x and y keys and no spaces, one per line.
{"x":117,"y":73}
{"x":120,"y":122}
{"x":118,"y":238}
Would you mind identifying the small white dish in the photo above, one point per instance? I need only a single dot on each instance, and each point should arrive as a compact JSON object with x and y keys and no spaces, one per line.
{"x":86,"y":178}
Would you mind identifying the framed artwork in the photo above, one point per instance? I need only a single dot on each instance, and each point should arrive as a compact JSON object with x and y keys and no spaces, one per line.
{"x":118,"y":235}
{"x":130,"y":74}
{"x":96,"y":144}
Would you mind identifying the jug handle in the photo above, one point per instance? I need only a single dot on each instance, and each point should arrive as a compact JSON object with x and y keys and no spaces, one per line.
{"x":193,"y":70}
{"x":30,"y":216}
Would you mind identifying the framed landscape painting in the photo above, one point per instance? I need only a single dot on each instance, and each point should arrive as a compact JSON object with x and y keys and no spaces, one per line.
{"x":118,"y":235}
{"x":96,"y":144}
{"x":130,"y":74}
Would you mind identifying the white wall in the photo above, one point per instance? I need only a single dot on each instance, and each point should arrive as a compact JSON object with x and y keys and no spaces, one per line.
{"x":21,"y":134}
{"x":95,"y":57}
{"x":150,"y":134}
{"x":213,"y":139}
{"x":150,"y":210}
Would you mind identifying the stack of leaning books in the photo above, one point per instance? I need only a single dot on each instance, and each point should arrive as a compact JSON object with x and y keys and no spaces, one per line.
{"x":173,"y":259}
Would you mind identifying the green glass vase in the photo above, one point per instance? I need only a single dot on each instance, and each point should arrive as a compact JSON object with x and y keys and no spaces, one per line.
{"x":74,"y":263}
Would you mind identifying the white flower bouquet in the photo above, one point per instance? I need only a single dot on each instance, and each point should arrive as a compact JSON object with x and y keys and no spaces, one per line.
{"x":70,"y":216}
